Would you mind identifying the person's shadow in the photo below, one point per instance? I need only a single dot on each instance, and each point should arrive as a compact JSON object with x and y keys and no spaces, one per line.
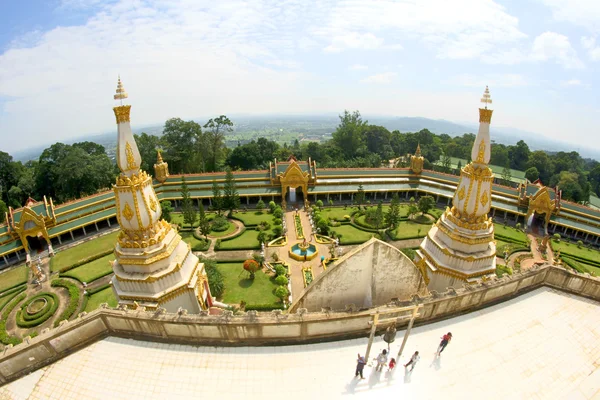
{"x":436,"y":363}
{"x":407,"y":375}
{"x":374,"y":377}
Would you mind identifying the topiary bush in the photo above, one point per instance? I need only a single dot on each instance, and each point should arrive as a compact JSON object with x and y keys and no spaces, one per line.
{"x":5,"y":338}
{"x":277,"y":221}
{"x":215,"y":278}
{"x":556,"y":237}
{"x":282,"y":292}
{"x":219,"y":224}
{"x":280,"y":270}
{"x":281,"y":280}
{"x":26,"y":320}
{"x":278,"y":212}
{"x":73,"y":299}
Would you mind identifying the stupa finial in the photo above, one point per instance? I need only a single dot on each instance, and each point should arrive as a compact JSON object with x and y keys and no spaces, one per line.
{"x":418,"y":152}
{"x":486,"y":99}
{"x":121,"y":93}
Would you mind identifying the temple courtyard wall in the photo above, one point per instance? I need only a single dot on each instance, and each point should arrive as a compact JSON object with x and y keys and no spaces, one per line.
{"x":273,"y":328}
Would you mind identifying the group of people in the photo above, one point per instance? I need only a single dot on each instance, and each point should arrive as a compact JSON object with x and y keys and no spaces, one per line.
{"x":382,"y":358}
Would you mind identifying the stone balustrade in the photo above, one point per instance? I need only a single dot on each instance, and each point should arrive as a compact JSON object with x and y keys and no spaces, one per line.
{"x":267,"y":328}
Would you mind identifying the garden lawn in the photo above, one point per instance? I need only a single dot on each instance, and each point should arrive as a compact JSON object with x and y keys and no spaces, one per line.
{"x":75,"y":254}
{"x":239,"y":287}
{"x":93,"y":270}
{"x":436,"y":212}
{"x":177,"y":218}
{"x":510,"y":232}
{"x":247,"y":240}
{"x":104,"y":296}
{"x":189,"y":238}
{"x":13,"y":277}
{"x":230,"y":229}
{"x":250,"y":218}
{"x":336,"y":213}
{"x":352,"y":235}
{"x":410,"y":230}
{"x":583,"y":252}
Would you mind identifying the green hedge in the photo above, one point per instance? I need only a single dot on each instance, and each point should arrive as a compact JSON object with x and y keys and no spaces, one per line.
{"x":50,"y":298}
{"x":264,"y":307}
{"x":363,"y":227}
{"x":242,"y":221}
{"x":73,"y":299}
{"x":5,"y":338}
{"x":509,"y":239}
{"x":580,"y":259}
{"x":24,"y":323}
{"x":18,"y":288}
{"x":576,"y":266}
{"x":390,"y":233}
{"x":205,"y":242}
{"x":98,"y":289}
{"x":236,"y":235}
{"x":503,"y":269}
{"x":85,"y":261}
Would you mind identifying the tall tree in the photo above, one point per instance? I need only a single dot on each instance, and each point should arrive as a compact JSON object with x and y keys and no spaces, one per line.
{"x":392,"y":217}
{"x":148,"y":146}
{"x":231,"y":197}
{"x":3,"y":211}
{"x":359,"y":198}
{"x":166,"y":209}
{"x":425,"y":204}
{"x":218,"y":127}
{"x":379,"y":215}
{"x":203,"y":224}
{"x":349,"y":135}
{"x":519,"y":155}
{"x":532,"y":174}
{"x":185,"y":146}
{"x":217,"y":199}
{"x":446,"y":162}
{"x":187,"y":205}
{"x":506,"y":175}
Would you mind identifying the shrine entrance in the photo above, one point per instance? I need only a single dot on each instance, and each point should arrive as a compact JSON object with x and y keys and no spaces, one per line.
{"x":295,"y":182}
{"x":295,"y":196}
{"x":540,"y":209}
{"x":37,"y":243}
{"x":537,"y":224}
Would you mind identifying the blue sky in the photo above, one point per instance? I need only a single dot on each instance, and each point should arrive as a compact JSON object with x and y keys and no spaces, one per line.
{"x":190,"y":58}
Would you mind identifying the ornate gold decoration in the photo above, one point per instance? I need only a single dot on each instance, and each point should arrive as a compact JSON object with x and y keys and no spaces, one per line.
{"x":127,"y":213}
{"x":466,"y":203}
{"x":455,"y":274}
{"x":462,"y":239}
{"x":485,"y":115}
{"x":152,"y":278}
{"x":416,"y":161}
{"x":541,"y":203}
{"x":137,"y":211}
{"x":137,"y":179}
{"x":140,"y":243}
{"x":122,"y":113}
{"x":292,"y":178}
{"x":121,"y":93}
{"x":476,"y":200}
{"x":484,"y":198}
{"x":464,"y":258}
{"x":481,"y":152}
{"x":30,"y":224}
{"x":461,"y":193}
{"x":129,"y":155}
{"x":161,"y":169}
{"x":471,"y":222}
{"x":152,"y":203}
{"x":422,"y":266}
{"x":484,"y":174}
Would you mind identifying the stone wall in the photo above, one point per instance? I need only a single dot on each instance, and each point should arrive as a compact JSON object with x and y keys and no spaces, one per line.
{"x":255,"y":329}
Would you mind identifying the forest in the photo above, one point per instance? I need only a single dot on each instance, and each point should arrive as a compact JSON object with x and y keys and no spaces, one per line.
{"x":65,"y":172}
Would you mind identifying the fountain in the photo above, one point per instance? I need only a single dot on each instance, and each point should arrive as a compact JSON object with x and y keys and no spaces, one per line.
{"x":303,"y":251}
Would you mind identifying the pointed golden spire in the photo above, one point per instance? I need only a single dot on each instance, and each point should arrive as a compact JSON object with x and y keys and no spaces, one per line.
{"x":418,"y":152}
{"x":158,"y":157}
{"x":121,"y":93}
{"x":486,"y":99}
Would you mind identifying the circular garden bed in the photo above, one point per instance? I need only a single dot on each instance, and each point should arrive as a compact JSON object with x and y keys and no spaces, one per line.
{"x":37,"y":310}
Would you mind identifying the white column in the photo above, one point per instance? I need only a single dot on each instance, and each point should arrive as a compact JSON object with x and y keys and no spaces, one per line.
{"x":96,"y":225}
{"x":385,"y":197}
{"x":84,"y":231}
{"x":340,"y":197}
{"x":18,"y":256}
{"x":108,"y":220}
{"x":247,"y":200}
{"x":72,"y":237}
{"x":5,"y":260}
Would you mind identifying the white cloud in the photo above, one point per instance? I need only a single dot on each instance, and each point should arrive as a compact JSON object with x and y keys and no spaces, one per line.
{"x":461,"y":29}
{"x":554,"y":46}
{"x":357,"y":67}
{"x":584,"y":13}
{"x":355,"y":40}
{"x":589,"y":43}
{"x":491,"y":80}
{"x":385,"y":77}
{"x":571,"y":82}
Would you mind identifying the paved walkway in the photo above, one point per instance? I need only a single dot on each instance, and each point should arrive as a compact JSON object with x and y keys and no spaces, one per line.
{"x":542,"y":345}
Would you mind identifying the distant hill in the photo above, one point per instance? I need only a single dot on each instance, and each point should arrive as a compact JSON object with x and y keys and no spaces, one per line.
{"x":289,"y":127}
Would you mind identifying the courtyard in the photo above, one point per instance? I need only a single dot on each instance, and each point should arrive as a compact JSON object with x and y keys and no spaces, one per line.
{"x":507,"y":351}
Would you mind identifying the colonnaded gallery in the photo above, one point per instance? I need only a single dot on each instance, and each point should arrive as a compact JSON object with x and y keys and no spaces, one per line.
{"x":334,"y":291}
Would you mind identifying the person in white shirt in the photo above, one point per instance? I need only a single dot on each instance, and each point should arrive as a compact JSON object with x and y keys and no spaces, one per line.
{"x":413,"y":361}
{"x":381,"y":360}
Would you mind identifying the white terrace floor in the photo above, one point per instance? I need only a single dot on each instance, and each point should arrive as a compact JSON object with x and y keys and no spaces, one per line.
{"x":543,"y":345}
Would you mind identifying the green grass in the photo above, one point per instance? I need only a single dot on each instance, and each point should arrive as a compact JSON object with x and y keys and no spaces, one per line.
{"x":70,"y":256}
{"x":248,"y":239}
{"x":238,"y":287}
{"x":6,"y":298}
{"x":351,"y":235}
{"x":189,"y":238}
{"x":409,"y":229}
{"x":254,"y":217}
{"x":230,"y":229}
{"x":103,"y":296}
{"x":583,"y":252}
{"x":337,"y":213}
{"x":13,"y":277}
{"x":510,"y":232}
{"x":92,"y":270}
{"x":436,"y":212}
{"x":595,"y":270}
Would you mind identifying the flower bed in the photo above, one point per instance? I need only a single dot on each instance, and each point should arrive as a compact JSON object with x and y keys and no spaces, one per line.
{"x":279,"y":242}
{"x":307,"y":275}
{"x":298,"y":223}
{"x":323,"y":239}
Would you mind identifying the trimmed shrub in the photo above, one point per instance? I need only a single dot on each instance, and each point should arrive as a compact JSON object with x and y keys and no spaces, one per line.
{"x":278,"y":213}
{"x":5,"y":338}
{"x":218,"y":244}
{"x":277,"y":221}
{"x":556,"y":237}
{"x":98,"y":289}
{"x":281,"y":280}
{"x":25,"y":320}
{"x":73,"y":305}
{"x":219,"y":224}
{"x":263,"y":307}
{"x":282,"y":292}
{"x":280,"y":270}
{"x":215,"y":278}
{"x":264,"y":225}
{"x":86,"y":260}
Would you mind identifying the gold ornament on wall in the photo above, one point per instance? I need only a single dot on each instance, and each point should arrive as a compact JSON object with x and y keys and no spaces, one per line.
{"x":461,"y":193}
{"x":127,"y":212}
{"x":152,"y":203}
{"x":130,"y":159}
{"x":484,"y":199}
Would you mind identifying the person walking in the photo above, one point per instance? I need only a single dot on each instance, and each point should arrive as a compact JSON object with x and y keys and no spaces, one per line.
{"x":392,"y":364}
{"x":360,"y":365}
{"x":445,"y":340}
{"x":381,"y":360}
{"x":413,"y":361}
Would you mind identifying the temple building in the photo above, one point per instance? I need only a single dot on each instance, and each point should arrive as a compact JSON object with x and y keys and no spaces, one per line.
{"x":460,"y":247}
{"x":153,"y":267}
